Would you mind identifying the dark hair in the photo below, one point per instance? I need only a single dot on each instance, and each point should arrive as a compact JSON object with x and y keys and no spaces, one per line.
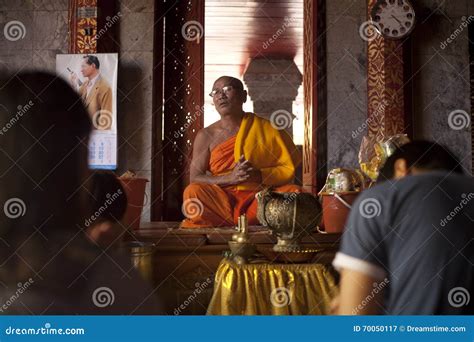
{"x":44,"y":135}
{"x":108,"y":196}
{"x":421,"y":154}
{"x":90,"y":59}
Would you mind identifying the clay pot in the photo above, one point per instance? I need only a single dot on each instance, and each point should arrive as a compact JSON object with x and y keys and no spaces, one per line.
{"x":135,"y":190}
{"x":336,"y":208}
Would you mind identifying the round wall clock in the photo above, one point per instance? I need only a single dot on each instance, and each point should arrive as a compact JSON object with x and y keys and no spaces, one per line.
{"x":393,"y":19}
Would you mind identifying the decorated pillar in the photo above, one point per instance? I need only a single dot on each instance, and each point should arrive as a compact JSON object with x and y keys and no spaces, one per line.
{"x":93,"y":26}
{"x":388,"y":85}
{"x":183,"y":99}
{"x":273,"y":86}
{"x":314,"y":86}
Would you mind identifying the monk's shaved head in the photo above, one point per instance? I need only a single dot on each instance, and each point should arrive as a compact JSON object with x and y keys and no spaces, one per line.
{"x":235,"y":82}
{"x":228,"y":96}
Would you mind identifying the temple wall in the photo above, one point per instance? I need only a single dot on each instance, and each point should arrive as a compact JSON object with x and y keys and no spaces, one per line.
{"x":46,"y":34}
{"x":441,"y":82}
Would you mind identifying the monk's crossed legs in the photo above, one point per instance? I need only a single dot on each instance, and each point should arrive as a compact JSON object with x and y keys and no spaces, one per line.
{"x":209,"y":205}
{"x":213,"y":203}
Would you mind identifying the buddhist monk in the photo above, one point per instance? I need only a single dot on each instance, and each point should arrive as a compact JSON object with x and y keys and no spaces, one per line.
{"x":233,"y":159}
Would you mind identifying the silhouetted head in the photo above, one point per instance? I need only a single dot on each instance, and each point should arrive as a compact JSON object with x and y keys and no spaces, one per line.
{"x":44,"y":134}
{"x":108,"y":196}
{"x":109,"y":204}
{"x":417,"y":157}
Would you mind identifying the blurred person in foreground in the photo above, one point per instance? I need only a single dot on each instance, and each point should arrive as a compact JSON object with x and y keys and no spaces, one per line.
{"x":109,"y":201}
{"x":408,"y":245}
{"x":44,"y":189}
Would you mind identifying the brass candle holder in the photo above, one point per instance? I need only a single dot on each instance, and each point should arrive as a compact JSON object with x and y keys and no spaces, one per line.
{"x":240,"y":245}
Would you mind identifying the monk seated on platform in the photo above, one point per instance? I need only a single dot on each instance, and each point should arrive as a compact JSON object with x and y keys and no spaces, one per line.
{"x":233,"y":159}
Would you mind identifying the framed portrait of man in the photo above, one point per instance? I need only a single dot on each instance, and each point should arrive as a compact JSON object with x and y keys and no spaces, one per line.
{"x":94,"y":77}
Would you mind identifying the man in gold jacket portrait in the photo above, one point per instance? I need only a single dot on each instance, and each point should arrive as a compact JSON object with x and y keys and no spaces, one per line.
{"x":96,"y":93}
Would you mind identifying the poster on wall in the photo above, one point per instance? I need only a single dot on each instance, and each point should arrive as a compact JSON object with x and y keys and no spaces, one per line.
{"x":94,"y":76}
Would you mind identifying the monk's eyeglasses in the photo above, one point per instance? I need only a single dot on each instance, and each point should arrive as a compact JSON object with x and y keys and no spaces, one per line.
{"x":226,"y":90}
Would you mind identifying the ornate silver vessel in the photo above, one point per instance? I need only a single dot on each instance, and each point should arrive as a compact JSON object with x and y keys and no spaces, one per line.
{"x":290,"y":216}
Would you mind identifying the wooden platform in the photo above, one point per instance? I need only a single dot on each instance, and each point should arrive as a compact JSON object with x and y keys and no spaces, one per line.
{"x":185,"y":260}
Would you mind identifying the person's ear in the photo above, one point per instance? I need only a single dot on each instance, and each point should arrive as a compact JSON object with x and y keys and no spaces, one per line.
{"x":400,"y":168}
{"x":244,"y":96}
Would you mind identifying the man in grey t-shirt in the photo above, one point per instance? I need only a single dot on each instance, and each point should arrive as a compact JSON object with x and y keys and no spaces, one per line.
{"x":408,"y":246}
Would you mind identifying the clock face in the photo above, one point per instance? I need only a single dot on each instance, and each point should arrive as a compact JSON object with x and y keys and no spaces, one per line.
{"x":393,"y":18}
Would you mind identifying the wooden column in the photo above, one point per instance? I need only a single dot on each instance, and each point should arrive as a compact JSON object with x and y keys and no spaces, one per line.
{"x":471,"y":64}
{"x":314,"y":85}
{"x":93,"y":26}
{"x":183,"y":101}
{"x":388,"y":86}
{"x":156,"y":204}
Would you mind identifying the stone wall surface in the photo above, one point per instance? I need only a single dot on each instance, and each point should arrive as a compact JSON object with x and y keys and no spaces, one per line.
{"x":441,"y":71}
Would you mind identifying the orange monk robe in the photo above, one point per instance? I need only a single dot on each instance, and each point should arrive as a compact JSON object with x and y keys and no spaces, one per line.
{"x":269,"y":150}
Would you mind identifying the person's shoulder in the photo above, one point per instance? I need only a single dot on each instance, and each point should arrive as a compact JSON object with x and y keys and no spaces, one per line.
{"x":448,"y":175}
{"x":418,"y":183}
{"x":83,"y":86}
{"x":379,"y":190}
{"x":257,"y":118}
{"x":205,"y":135}
{"x":265,"y":124}
{"x":102,"y":83}
{"x":381,"y":194}
{"x":276,"y":124}
{"x":211,"y":130}
{"x":437,"y":177}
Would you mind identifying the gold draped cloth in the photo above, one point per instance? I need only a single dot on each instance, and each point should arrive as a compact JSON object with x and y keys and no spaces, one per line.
{"x":272,"y":289}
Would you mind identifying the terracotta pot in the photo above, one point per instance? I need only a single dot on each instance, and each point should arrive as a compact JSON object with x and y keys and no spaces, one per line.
{"x":336,"y":210}
{"x":135,"y":190}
